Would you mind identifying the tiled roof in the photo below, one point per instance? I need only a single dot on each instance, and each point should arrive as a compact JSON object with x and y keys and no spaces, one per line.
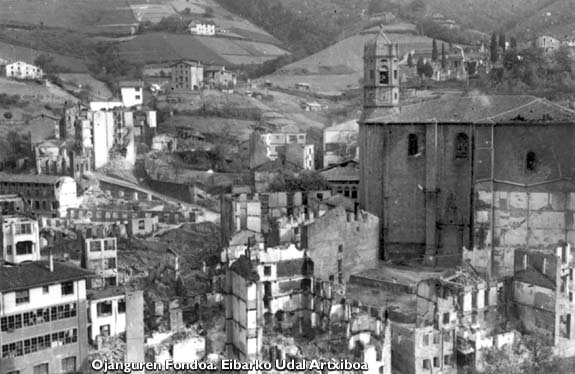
{"x":36,"y":274}
{"x":459,"y":108}
{"x":28,"y":178}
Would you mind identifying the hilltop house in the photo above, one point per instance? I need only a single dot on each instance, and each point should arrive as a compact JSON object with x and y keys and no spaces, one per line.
{"x":207,"y":28}
{"x":21,"y":70}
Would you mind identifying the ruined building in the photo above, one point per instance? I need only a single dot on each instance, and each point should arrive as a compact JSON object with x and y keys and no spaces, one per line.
{"x":543,"y":295}
{"x":462,"y":170}
{"x":277,"y":293}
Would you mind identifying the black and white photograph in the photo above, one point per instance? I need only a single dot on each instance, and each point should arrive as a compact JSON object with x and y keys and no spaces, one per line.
{"x":287,"y":186}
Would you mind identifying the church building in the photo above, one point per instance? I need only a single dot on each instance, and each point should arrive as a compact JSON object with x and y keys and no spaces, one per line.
{"x":463,"y":171}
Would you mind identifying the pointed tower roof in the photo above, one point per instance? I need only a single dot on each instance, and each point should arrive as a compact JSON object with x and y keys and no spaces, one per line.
{"x":381,"y":43}
{"x":381,"y":37}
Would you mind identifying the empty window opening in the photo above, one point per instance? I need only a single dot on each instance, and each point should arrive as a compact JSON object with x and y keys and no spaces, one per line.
{"x":531,"y":161}
{"x":461,"y":146}
{"x":565,"y":326}
{"x":412,"y":146}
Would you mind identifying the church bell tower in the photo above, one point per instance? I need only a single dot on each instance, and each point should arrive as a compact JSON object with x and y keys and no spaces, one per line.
{"x":380,"y":73}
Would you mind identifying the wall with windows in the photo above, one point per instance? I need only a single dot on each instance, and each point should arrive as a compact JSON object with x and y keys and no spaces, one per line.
{"x":132,"y":96}
{"x":99,"y":255}
{"x":44,"y":329}
{"x":417,"y":178}
{"x":107,"y":316}
{"x":524,"y":183}
{"x":39,"y":297}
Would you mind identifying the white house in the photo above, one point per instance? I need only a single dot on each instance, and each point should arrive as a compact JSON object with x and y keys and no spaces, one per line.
{"x":107,"y":312}
{"x":20,"y":239}
{"x":132,"y":93}
{"x":202,"y":28}
{"x":22,"y":70}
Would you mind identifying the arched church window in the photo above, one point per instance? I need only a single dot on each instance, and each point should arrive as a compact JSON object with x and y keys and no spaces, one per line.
{"x":461,"y":146}
{"x":412,"y":146}
{"x":531,"y":161}
{"x":395,"y":74}
{"x":371,"y":74}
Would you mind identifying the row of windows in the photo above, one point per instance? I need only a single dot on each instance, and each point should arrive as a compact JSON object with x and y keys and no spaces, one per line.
{"x":462,"y":150}
{"x":68,"y":366}
{"x":447,"y":361}
{"x":38,"y":316}
{"x":102,"y":264}
{"x":447,"y":336}
{"x":461,"y":145}
{"x":22,"y":248}
{"x":39,"y":343}
{"x":23,"y":297}
{"x":96,"y":245}
{"x":105,"y":308}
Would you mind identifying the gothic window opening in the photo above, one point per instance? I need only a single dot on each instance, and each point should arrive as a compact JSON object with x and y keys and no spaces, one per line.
{"x":531,"y":161}
{"x":412,"y":146}
{"x":383,"y":73}
{"x":461,"y":146}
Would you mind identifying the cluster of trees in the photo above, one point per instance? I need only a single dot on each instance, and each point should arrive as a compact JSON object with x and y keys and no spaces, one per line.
{"x":530,"y":355}
{"x":11,"y":100}
{"x":16,"y":146}
{"x":109,"y":67}
{"x":498,"y":46}
{"x":430,"y":28}
{"x":534,"y":69}
{"x":304,"y":35}
{"x":302,"y":182}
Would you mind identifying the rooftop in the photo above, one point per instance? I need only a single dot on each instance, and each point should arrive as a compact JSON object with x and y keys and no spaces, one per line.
{"x":131,"y":84}
{"x":352,"y":125}
{"x":28,"y":178}
{"x":344,"y":171}
{"x":473,"y":108}
{"x":36,"y":274}
{"x":105,"y":293}
{"x":187,"y":62}
{"x":242,"y":237}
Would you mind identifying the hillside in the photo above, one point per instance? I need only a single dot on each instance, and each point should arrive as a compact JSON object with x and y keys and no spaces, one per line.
{"x":555,"y":19}
{"x":162,"y":47}
{"x":340,"y":67}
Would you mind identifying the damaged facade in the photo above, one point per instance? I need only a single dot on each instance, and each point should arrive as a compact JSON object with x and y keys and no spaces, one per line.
{"x":288,"y":144}
{"x":543,"y":291}
{"x":46,"y":195}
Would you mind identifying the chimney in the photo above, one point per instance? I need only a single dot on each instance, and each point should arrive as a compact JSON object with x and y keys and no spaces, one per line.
{"x":51,"y":261}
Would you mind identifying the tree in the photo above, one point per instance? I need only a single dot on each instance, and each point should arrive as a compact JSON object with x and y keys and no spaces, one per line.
{"x":443,"y":57}
{"x":529,"y":355}
{"x":209,"y":12}
{"x":46,"y":63}
{"x":493,"y":49}
{"x":428,"y":69}
{"x":419,"y":67}
{"x":434,"y":51}
{"x":410,"y":60}
{"x":513,"y":43}
{"x":304,"y":181}
{"x":502,"y":42}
